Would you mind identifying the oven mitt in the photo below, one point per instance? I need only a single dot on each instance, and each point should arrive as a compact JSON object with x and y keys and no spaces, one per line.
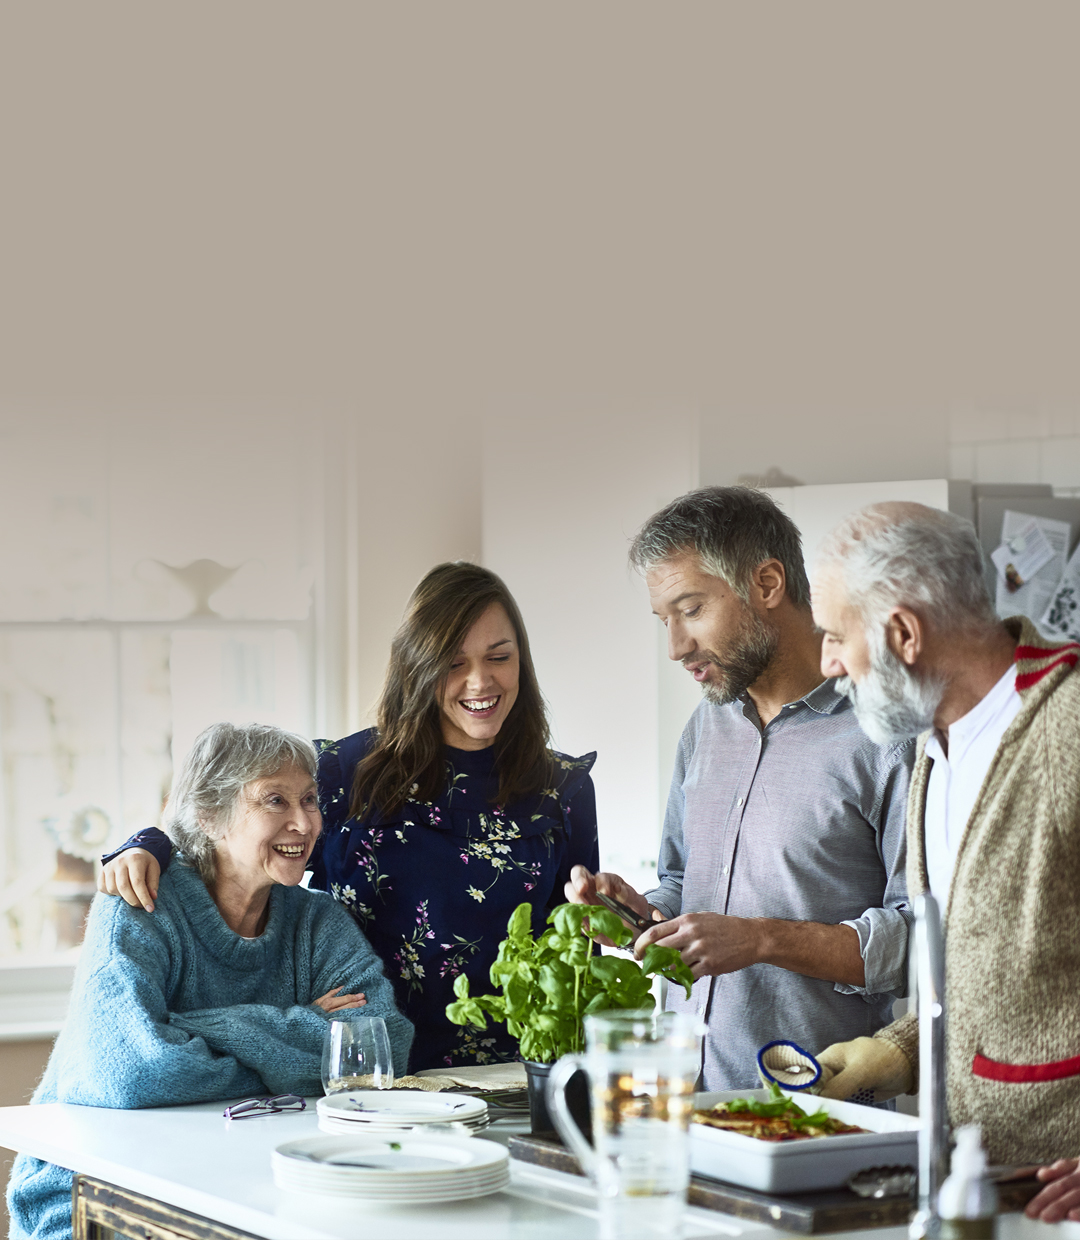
{"x":865,"y":1069}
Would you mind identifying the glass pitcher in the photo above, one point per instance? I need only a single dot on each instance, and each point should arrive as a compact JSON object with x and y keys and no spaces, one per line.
{"x":642,"y":1069}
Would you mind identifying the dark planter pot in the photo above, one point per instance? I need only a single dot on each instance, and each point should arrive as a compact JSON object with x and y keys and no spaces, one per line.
{"x":577,"y":1100}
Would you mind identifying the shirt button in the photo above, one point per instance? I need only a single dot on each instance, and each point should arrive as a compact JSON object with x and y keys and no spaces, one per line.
{"x":727,"y":869}
{"x":739,"y":801}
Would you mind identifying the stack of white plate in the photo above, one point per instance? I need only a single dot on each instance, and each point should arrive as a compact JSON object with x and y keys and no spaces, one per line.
{"x":407,"y":1169}
{"x":374,"y":1111}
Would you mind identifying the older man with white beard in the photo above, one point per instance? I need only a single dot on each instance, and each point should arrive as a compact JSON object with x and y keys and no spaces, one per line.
{"x":782,"y":860}
{"x":993,"y":826}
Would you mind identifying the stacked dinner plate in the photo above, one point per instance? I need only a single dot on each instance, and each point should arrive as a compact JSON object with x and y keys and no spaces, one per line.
{"x":374,"y":1112}
{"x":406,"y":1168}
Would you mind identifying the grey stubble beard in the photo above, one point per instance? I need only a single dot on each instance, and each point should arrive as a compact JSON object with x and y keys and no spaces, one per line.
{"x":751,"y":652}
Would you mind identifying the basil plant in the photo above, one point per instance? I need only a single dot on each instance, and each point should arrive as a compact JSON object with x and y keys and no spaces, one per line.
{"x":551,"y":983}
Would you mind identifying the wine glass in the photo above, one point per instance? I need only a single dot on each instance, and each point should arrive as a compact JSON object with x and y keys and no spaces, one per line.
{"x":356,"y":1054}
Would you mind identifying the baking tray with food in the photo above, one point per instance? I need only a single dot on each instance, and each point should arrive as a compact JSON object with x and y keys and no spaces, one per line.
{"x":803,"y":1151}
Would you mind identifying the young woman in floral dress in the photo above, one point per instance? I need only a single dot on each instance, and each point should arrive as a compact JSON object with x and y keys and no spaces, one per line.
{"x":439,"y":822}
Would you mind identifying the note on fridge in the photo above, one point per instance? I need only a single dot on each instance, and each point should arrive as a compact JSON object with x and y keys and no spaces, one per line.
{"x":1021,"y":555}
{"x":1029,"y":595}
{"x":1062,"y":615}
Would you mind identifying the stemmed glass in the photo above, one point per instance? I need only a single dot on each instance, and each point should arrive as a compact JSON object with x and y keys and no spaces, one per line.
{"x":356,"y":1054}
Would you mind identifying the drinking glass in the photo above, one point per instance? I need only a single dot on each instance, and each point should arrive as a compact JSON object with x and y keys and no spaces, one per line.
{"x":356,"y":1054}
{"x":642,"y":1069}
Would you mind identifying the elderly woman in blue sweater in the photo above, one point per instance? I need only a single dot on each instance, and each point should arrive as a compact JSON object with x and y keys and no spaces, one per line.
{"x":226,"y":990}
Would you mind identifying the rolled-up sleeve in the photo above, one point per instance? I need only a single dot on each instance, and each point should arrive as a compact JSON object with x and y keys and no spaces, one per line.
{"x":883,"y":931}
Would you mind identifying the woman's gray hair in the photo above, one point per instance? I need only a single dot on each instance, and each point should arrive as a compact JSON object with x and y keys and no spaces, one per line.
{"x":731,"y":530}
{"x":223,"y":760}
{"x":904,"y":554}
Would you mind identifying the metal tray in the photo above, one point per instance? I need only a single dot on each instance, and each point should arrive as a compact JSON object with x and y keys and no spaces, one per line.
{"x":801,"y":1166}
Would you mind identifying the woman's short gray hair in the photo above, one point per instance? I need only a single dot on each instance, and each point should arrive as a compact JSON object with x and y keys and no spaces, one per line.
{"x":904,"y":554}
{"x":223,"y":760}
{"x":731,"y":530}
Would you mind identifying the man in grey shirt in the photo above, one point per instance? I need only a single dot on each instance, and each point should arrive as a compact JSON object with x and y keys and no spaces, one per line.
{"x":782,"y":859}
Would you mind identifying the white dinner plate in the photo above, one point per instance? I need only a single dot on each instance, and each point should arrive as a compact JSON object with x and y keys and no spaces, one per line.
{"x":348,"y":1127}
{"x":409,"y":1168}
{"x":375,"y":1105}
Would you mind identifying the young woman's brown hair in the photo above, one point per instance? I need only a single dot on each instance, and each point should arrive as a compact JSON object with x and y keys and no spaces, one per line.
{"x":408,"y":750}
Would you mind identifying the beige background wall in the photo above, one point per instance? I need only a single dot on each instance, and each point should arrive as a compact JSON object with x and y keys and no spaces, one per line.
{"x":824,"y":227}
{"x":841,"y":236}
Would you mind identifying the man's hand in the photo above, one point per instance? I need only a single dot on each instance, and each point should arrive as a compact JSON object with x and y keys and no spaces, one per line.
{"x":866,"y":1063}
{"x":134,"y":876}
{"x":335,"y":1001}
{"x":713,"y":943}
{"x":1060,"y":1199}
{"x":710,"y":943}
{"x":583,"y":886}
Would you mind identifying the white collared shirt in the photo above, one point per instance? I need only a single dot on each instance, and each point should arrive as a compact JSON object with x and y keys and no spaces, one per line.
{"x":955,"y":780}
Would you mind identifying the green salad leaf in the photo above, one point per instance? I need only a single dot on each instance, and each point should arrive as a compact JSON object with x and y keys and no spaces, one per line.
{"x":549,"y":984}
{"x":779,"y":1104}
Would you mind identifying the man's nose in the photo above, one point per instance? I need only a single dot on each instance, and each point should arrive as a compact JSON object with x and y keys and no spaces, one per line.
{"x":679,"y":644}
{"x":831,"y":665}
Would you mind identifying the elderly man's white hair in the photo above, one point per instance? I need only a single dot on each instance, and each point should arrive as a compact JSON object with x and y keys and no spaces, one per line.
{"x":905,"y":554}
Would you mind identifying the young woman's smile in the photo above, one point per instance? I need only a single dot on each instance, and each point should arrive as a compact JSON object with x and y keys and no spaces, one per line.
{"x":482,"y":684}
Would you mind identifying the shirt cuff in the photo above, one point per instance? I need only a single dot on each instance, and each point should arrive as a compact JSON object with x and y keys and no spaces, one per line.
{"x":667,"y":899}
{"x":156,"y":843}
{"x":883,"y":943}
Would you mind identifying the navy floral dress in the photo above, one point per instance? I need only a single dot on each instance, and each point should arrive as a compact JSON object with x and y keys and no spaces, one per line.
{"x":433,"y":885}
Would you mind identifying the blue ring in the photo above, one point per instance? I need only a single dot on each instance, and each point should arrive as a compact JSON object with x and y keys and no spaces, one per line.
{"x":795,"y":1046}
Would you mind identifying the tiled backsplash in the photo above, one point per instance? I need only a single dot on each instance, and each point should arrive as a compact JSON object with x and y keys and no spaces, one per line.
{"x":1044,"y":446}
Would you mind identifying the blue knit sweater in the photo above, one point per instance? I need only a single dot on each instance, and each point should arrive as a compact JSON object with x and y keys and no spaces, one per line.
{"x":173,"y":1007}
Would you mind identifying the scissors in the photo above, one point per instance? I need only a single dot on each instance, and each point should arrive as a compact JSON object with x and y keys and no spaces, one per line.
{"x":625,"y":912}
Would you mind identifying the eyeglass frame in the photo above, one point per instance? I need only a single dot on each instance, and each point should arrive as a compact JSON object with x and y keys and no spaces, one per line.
{"x":277,"y":1105}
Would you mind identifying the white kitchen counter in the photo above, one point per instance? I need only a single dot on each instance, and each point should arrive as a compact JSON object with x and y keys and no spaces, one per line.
{"x":192,"y":1158}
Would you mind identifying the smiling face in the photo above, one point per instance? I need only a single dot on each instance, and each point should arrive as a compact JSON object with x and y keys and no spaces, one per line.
{"x":272,"y":831}
{"x":717,"y":637}
{"x":482,"y":684}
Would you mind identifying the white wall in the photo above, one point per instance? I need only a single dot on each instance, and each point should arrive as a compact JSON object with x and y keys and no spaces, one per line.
{"x":818,"y":509}
{"x":563,"y":495}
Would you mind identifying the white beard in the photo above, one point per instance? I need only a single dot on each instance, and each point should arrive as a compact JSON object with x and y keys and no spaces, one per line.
{"x":891,"y":702}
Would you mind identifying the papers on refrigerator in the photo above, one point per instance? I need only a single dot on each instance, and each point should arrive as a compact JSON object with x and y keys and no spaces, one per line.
{"x":1033,"y":595}
{"x":1020,"y":557}
{"x":1062,"y":616}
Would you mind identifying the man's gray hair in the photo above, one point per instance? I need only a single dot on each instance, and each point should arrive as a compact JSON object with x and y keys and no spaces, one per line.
{"x":222,"y":761}
{"x":904,"y":554}
{"x":731,"y":530}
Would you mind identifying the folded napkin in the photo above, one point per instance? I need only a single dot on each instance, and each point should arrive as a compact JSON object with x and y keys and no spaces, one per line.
{"x":477,"y":1076}
{"x":400,"y":1082}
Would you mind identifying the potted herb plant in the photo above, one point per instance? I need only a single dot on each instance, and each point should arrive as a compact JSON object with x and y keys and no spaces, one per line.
{"x":550,"y":984}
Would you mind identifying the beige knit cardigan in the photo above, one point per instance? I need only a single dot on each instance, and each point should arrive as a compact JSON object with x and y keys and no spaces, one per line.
{"x":1012,"y":923}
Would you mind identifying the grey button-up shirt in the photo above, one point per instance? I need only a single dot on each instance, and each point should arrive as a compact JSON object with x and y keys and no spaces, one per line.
{"x":802,"y":820}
